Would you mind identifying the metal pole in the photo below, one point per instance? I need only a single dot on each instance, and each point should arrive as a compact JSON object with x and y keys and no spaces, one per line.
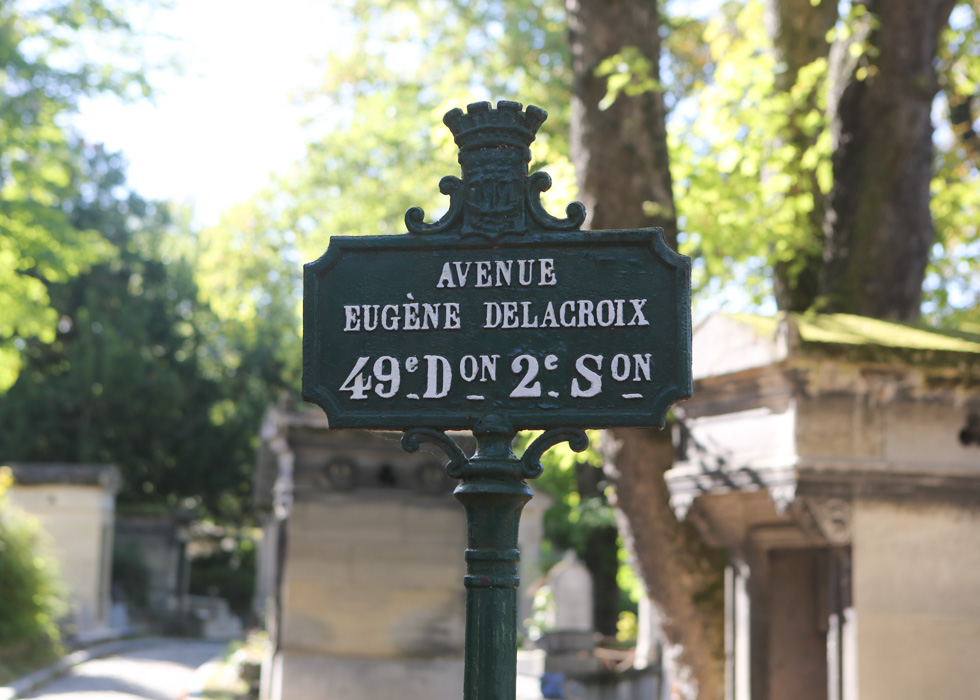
{"x":493,"y":491}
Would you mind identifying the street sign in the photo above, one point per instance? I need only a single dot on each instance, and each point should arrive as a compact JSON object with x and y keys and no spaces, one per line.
{"x":586,"y":328}
{"x":498,"y":307}
{"x":495,"y":318}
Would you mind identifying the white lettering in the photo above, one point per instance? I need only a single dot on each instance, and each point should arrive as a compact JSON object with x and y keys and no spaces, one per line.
{"x":548,"y":278}
{"x":549,"y":319}
{"x":355,"y":382}
{"x":381,"y":375}
{"x":605,"y":313}
{"x":526,"y":323}
{"x":522,"y":267}
{"x":638,"y":304}
{"x":353,"y":318}
{"x":498,"y":273}
{"x":578,"y":313}
{"x":390,"y":317}
{"x":585,"y":317}
{"x":446,"y":278}
{"x":642,"y":363}
{"x":488,"y":368}
{"x":371,"y":322}
{"x":468,"y":368}
{"x":593,"y":377}
{"x":452,"y":317}
{"x":411,"y":317}
{"x":525,"y":388}
{"x":439,"y":377}
{"x":510,"y":315}
{"x":620,"y":367}
{"x":494,"y":314}
{"x":462,"y":272}
{"x":483,"y":278}
{"x":567,"y":306}
{"x":430,"y":316}
{"x":503,"y":272}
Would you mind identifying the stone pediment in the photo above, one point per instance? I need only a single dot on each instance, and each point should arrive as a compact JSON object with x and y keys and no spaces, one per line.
{"x":727,"y":343}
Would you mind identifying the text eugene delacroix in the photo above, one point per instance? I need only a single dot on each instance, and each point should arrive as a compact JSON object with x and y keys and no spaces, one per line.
{"x":538,"y":272}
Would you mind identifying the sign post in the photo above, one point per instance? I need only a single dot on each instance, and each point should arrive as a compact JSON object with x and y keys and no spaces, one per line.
{"x":496,"y":318}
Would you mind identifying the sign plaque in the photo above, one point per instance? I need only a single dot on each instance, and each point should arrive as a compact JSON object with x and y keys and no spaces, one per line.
{"x":498,"y":307}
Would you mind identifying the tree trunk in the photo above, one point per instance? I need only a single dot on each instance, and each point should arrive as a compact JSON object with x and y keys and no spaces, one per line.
{"x":683,"y":576}
{"x":798,"y":31}
{"x":603,"y":563}
{"x":878,"y":225}
{"x":620,"y":153}
{"x":621,"y":161}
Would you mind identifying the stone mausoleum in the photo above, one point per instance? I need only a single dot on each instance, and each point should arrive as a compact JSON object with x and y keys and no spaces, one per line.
{"x":76,"y":506}
{"x":838,"y":458}
{"x":362,"y":563}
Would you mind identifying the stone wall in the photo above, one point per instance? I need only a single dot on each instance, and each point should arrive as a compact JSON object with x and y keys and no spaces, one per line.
{"x":834,"y":457}
{"x":161,"y":542}
{"x":917,"y":597}
{"x":374,"y":578}
{"x":79,"y":520}
{"x":362,"y":566}
{"x":316,"y":676}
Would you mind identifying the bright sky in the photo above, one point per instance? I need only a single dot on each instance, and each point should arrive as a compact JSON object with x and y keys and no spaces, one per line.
{"x":226,"y":121}
{"x":219,"y":127}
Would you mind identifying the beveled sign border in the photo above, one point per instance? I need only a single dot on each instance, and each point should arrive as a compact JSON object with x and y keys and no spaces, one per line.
{"x":652,"y":411}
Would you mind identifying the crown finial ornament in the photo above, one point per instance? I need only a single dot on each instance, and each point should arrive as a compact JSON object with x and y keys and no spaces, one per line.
{"x":482,"y":127}
{"x":496,"y":196}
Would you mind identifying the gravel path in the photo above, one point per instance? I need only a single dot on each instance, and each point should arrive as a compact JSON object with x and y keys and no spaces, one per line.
{"x":161,"y":671}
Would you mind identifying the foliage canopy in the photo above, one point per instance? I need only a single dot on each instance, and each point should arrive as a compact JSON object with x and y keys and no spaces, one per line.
{"x":115,"y":357}
{"x":46,"y":72}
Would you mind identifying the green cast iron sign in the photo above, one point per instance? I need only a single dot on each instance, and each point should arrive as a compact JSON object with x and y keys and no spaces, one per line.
{"x":498,"y":308}
{"x":495,"y":318}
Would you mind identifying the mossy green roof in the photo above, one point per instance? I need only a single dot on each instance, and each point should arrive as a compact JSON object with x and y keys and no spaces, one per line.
{"x":847,"y":329}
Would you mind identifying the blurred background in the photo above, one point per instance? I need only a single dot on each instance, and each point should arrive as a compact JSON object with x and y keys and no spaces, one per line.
{"x":808,"y":527}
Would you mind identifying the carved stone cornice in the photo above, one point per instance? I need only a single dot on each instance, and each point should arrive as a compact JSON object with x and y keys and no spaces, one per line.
{"x":832,"y":517}
{"x":813,"y":498}
{"x":873,"y":481}
{"x":687,"y":482}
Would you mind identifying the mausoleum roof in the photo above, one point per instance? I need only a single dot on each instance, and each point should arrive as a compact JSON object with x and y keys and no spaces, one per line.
{"x":46,"y":473}
{"x":726,"y":343}
{"x":848,"y":329}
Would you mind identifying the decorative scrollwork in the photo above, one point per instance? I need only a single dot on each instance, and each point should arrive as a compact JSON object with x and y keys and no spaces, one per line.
{"x":541,"y":182}
{"x":412,"y":440}
{"x":415,"y":217}
{"x":531,"y":459}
